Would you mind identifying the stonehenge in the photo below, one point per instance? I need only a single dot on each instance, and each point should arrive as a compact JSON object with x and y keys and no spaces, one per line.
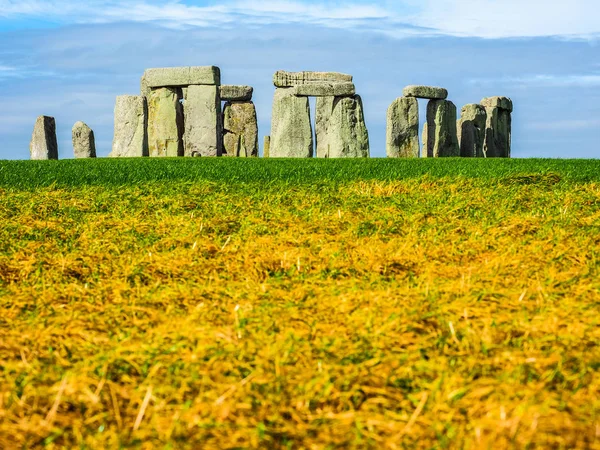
{"x":483,"y":130}
{"x":43,"y":140}
{"x":340,"y":128}
{"x":84,"y":144}
{"x":187,"y":112}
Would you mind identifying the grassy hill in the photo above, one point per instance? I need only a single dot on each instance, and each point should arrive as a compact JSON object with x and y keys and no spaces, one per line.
{"x":299,"y":304}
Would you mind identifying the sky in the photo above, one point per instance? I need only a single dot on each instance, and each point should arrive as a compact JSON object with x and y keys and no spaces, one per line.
{"x":70,"y":60}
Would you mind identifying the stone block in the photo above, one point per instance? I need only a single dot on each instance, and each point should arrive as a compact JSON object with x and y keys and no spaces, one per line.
{"x":283,"y":79}
{"x":179,"y":77}
{"x":471,"y":131}
{"x":43,"y":140}
{"x":428,"y":92}
{"x":498,"y":133}
{"x":291,"y":128}
{"x":231,"y":93}
{"x":498,"y":102}
{"x":165,"y":123}
{"x":240,"y":130}
{"x":341,"y":131}
{"x":442,"y":139}
{"x":131,"y":121}
{"x":325,"y":89}
{"x":203,"y":122}
{"x":84,"y":144}
{"x":267,"y":147}
{"x":402,"y":134}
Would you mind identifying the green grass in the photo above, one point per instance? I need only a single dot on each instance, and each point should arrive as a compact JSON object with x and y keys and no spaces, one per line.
{"x":300,"y":304}
{"x":107,"y":172}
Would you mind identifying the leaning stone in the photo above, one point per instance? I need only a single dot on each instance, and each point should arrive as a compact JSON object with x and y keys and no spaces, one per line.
{"x":498,"y":102}
{"x":325,"y":89}
{"x":442,"y":140}
{"x":428,"y":92}
{"x":203,"y":122}
{"x":291,"y":128}
{"x":267,"y":147}
{"x":131,"y":120}
{"x":231,"y":93}
{"x":498,"y":130}
{"x":240,"y":129}
{"x":471,"y":131}
{"x":340,"y":128}
{"x":43,"y":141}
{"x":402,"y":137}
{"x":165,"y":123}
{"x":179,"y":77}
{"x":284,"y":79}
{"x":84,"y":144}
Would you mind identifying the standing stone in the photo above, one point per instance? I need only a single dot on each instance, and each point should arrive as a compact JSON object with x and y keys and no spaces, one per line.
{"x":84,"y":144}
{"x":442,"y":140}
{"x":43,"y":141}
{"x":291,"y":128}
{"x":471,"y":131}
{"x":203,"y":122}
{"x":340,"y":128}
{"x":240,"y":130}
{"x":424,"y":137}
{"x":498,"y":128}
{"x":402,"y":138}
{"x":267,"y":147}
{"x":131,"y":121}
{"x":165,"y":123}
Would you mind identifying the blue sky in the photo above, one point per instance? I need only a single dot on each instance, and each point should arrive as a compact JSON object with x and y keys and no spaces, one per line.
{"x":70,"y":60}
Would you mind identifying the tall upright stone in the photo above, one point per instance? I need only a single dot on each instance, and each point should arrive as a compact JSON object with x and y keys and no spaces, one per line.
{"x":442,"y":139}
{"x":203,"y":122}
{"x":402,"y":134}
{"x":131,"y":122}
{"x":471,"y":131}
{"x":498,"y":128}
{"x":267,"y":147}
{"x":341,"y":131}
{"x":84,"y":144}
{"x":240,"y":130}
{"x":165,"y":123}
{"x":424,"y":137}
{"x":43,"y":140}
{"x":291,"y":128}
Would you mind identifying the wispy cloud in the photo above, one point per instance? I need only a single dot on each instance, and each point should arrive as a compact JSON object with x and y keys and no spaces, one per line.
{"x":565,"y":125}
{"x":542,"y":81}
{"x":484,"y":18}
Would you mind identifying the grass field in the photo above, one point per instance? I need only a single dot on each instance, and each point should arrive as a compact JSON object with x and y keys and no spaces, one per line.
{"x":232,"y":304}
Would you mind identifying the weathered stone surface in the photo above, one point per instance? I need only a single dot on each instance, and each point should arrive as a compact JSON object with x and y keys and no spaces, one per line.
{"x":131,"y":119}
{"x":267,"y":147}
{"x":84,"y":144}
{"x":179,"y":77}
{"x":498,"y":102}
{"x":340,"y":128}
{"x":291,"y":129}
{"x":203,"y":122}
{"x":284,"y":79}
{"x":165,"y":123}
{"x":232,"y":93}
{"x":402,"y":136}
{"x":442,"y":139}
{"x":428,"y":92}
{"x":43,"y":140}
{"x":424,"y":138}
{"x":471,"y":131}
{"x":240,"y":129}
{"x":325,"y":89}
{"x":498,"y":131}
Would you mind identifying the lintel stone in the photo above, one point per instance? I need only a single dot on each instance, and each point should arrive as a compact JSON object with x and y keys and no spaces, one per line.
{"x":290,"y":79}
{"x":325,"y":89}
{"x":498,"y":102}
{"x":428,"y":92}
{"x":180,"y":77}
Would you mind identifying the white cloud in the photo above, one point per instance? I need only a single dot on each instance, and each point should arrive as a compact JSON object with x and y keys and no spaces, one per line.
{"x":482,"y":18}
{"x":565,"y":125}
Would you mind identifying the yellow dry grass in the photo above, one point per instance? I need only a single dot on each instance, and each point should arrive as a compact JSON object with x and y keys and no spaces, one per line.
{"x":412,"y":314}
